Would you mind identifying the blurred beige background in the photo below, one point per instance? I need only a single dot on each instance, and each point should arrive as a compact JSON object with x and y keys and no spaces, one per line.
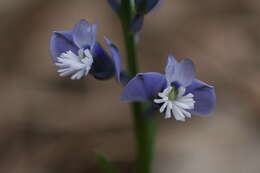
{"x":50,"y":124}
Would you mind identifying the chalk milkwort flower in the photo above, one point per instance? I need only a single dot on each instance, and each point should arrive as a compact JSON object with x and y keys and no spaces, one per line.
{"x":177,"y":93}
{"x":76,"y":53}
{"x":142,"y":7}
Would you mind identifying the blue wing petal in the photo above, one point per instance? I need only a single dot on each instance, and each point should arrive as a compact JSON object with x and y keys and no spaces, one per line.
{"x":61,"y":41}
{"x":182,"y":72}
{"x":116,"y":57}
{"x":204,"y":96}
{"x":151,"y":4}
{"x":103,"y":66}
{"x":84,"y":34}
{"x":115,"y":4}
{"x":170,"y":69}
{"x":143,"y":87}
{"x":137,"y":23}
{"x":185,"y":72}
{"x":145,"y":6}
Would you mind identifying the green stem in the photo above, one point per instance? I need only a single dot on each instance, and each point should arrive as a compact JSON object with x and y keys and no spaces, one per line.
{"x":145,"y":127}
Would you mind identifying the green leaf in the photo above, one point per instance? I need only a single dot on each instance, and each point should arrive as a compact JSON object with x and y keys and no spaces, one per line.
{"x":105,"y":164}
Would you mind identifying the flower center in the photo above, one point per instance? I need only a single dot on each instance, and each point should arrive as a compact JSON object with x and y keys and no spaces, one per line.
{"x":172,"y":94}
{"x":84,"y":53}
{"x":76,"y":66}
{"x":175,"y":103}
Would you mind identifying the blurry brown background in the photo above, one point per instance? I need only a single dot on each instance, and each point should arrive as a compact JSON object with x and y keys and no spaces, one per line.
{"x":50,"y":124}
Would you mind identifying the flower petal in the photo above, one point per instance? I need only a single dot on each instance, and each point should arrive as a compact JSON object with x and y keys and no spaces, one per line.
{"x":115,"y":4}
{"x":137,"y":23}
{"x":61,"y":41}
{"x":116,"y":57}
{"x":144,"y":86}
{"x":181,"y":72}
{"x":145,"y":6}
{"x":103,"y":66}
{"x":184,"y":72}
{"x":84,"y":34}
{"x":151,"y":4}
{"x":170,"y":69}
{"x":204,"y":96}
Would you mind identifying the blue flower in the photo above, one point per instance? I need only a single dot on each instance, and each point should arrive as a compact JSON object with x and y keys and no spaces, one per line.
{"x":176,"y":93}
{"x":145,"y":6}
{"x":76,"y":53}
{"x":115,"y":5}
{"x":142,"y":7}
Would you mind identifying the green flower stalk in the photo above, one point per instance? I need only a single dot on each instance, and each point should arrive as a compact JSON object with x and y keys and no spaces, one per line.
{"x":145,"y":127}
